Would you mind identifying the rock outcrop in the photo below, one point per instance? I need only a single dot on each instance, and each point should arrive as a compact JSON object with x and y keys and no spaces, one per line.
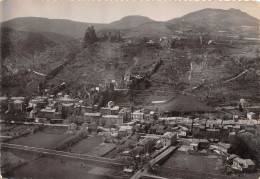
{"x":90,"y":36}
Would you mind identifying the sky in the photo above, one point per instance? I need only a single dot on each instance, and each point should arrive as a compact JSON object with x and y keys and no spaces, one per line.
{"x":107,"y":11}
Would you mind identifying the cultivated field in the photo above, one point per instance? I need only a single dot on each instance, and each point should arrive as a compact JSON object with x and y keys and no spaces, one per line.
{"x":205,"y":164}
{"x":102,"y":149}
{"x":40,"y":139}
{"x":86,"y":145}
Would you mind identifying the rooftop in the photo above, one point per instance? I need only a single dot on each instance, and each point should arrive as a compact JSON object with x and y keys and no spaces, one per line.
{"x":169,"y":135}
{"x":92,"y":114}
{"x":17,"y":98}
{"x":110,"y":116}
{"x":48,"y":110}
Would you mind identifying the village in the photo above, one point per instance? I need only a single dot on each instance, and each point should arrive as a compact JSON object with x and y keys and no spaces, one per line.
{"x":145,"y":140}
{"x":136,"y":98}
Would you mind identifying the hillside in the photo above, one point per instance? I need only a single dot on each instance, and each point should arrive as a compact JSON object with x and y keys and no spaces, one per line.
{"x":161,"y":29}
{"x":58,"y":38}
{"x":214,"y":72}
{"x":18,"y":49}
{"x":218,"y":19}
{"x":150,"y":29}
{"x":66,"y":28}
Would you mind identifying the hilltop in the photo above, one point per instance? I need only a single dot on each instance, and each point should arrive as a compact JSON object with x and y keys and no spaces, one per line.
{"x":219,"y":17}
{"x":129,"y":22}
{"x":222,"y":20}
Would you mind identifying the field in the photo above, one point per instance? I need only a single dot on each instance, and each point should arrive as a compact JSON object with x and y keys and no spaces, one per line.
{"x":101,"y":149}
{"x":6,"y":127}
{"x":55,"y":169}
{"x":205,"y":164}
{"x":42,"y":140}
{"x":86,"y":145}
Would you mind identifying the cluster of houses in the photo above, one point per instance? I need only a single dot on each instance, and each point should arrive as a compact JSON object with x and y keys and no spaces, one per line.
{"x":213,"y":134}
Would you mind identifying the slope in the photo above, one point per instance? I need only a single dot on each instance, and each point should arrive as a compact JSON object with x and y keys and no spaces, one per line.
{"x":19,"y":47}
{"x":69,"y":28}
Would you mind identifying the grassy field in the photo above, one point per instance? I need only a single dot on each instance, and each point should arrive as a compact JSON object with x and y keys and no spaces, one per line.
{"x":43,"y":140}
{"x":206,"y":164}
{"x":86,"y":145}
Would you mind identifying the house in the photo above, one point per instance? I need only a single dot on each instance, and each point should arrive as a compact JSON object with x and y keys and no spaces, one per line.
{"x":122,"y":132}
{"x":122,"y":114}
{"x":182,"y":134}
{"x":235,"y":118}
{"x":105,"y":111}
{"x":199,"y":131}
{"x":17,"y":98}
{"x":251,"y":116}
{"x":110,"y":119}
{"x":120,"y":121}
{"x":151,"y":116}
{"x":47,"y":113}
{"x":194,"y":145}
{"x":3,"y":104}
{"x":66,"y":99}
{"x":138,"y":115}
{"x":114,"y":110}
{"x":147,"y":143}
{"x":169,"y":138}
{"x":88,"y":109}
{"x":202,"y":143}
{"x":67,"y":109}
{"x":56,"y":121}
{"x":92,"y":117}
{"x":150,"y":42}
{"x":224,"y":147}
{"x":38,"y":103}
{"x":212,"y":133}
{"x":125,"y":130}
{"x":18,"y":105}
{"x":243,"y":165}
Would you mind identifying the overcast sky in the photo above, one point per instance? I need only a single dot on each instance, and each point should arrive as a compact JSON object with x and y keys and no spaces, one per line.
{"x":101,"y":11}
